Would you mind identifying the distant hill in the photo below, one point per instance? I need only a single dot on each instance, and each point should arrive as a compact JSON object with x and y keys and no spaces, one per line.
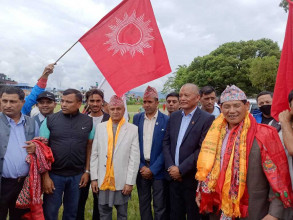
{"x":161,"y":96}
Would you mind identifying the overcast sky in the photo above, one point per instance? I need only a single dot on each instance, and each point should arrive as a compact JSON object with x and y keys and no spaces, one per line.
{"x":35,"y":33}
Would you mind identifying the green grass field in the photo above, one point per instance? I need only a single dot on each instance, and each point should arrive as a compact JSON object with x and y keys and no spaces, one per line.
{"x":133,"y":205}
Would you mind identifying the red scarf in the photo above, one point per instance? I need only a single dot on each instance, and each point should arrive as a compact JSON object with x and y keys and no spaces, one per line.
{"x":30,"y":195}
{"x":274,"y":163}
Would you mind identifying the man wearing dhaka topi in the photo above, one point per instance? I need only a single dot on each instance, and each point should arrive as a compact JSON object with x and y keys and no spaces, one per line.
{"x":151,"y":184}
{"x":242,"y":167}
{"x":114,"y":161}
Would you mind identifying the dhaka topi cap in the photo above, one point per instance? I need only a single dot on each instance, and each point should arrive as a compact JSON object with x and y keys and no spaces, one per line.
{"x":116,"y":101}
{"x":232,"y":93}
{"x":150,"y":92}
{"x":46,"y":95}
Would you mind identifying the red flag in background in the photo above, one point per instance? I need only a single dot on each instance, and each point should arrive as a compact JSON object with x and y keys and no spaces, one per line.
{"x":127,"y":46}
{"x":284,"y":81}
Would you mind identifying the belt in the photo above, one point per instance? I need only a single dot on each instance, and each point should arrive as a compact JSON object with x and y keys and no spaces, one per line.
{"x":18,"y":179}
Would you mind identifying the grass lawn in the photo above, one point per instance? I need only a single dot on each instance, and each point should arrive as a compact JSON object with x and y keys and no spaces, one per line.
{"x":133,"y":207}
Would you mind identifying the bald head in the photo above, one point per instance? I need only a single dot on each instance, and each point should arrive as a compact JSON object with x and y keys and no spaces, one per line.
{"x":192,"y":87}
{"x":189,"y":97}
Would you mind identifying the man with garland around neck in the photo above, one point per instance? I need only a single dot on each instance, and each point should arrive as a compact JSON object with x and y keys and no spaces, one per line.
{"x":242,"y":166}
{"x":114,"y":161}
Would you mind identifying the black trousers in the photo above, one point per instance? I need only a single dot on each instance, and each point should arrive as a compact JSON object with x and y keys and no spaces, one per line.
{"x":84,"y":192}
{"x":10,"y":189}
{"x":149,"y":190}
{"x":182,"y":200}
{"x":168,"y":204}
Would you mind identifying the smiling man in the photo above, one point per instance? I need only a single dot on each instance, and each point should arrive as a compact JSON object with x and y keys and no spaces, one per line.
{"x":70,"y":136}
{"x":242,"y":166}
{"x":185,"y":132}
{"x":46,"y":103}
{"x":94,"y":100}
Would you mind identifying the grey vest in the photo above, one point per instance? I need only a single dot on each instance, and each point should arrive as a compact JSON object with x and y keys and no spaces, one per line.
{"x":36,"y":118}
{"x":29,"y":129}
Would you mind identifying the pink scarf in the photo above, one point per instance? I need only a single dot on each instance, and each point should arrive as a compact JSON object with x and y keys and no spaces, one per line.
{"x":30,"y":195}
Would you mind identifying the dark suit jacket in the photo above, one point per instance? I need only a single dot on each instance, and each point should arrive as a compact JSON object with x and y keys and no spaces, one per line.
{"x":105,"y":117}
{"x":157,"y":159}
{"x":191,"y":143}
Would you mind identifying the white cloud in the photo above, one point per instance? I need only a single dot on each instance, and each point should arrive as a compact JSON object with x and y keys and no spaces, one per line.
{"x":35,"y":33}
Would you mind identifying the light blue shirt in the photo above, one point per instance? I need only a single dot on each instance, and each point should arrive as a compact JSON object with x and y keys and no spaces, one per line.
{"x":14,"y":165}
{"x":216,"y":111}
{"x":183,"y":127}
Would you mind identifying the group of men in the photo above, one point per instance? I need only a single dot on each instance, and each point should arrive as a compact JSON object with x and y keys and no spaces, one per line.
{"x":204,"y":160}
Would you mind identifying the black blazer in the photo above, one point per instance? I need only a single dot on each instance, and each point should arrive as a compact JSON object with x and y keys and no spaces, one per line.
{"x":191,"y":143}
{"x":106,"y":117}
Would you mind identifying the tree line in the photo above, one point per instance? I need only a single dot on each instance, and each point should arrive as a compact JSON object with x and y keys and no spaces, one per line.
{"x":251,"y":65}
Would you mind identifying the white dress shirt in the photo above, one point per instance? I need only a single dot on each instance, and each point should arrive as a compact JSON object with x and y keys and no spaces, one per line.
{"x":148,"y":131}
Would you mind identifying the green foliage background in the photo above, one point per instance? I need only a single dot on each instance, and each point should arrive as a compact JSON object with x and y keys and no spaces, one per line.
{"x":251,"y":65}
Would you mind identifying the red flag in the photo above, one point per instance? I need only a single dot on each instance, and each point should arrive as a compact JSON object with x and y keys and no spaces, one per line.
{"x":127,"y":46}
{"x":284,"y":81}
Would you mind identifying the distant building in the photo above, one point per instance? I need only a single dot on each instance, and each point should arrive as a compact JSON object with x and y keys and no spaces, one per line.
{"x":4,"y":80}
{"x":24,"y":86}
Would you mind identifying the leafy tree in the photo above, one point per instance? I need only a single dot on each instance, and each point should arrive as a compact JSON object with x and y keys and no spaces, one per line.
{"x":284,"y":5}
{"x":263,"y":72}
{"x":168,"y":85}
{"x":174,"y":82}
{"x":229,"y":64}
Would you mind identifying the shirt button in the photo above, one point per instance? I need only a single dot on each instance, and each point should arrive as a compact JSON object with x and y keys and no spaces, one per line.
{"x":104,"y":165}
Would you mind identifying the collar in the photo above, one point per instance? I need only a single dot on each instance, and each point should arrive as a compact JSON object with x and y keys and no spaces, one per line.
{"x":41,"y":117}
{"x":190,"y":114}
{"x":21,"y":120}
{"x":89,"y":114}
{"x":155,"y":116}
{"x":71,"y":115}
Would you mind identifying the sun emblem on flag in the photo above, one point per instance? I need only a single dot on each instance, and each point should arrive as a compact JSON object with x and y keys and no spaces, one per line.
{"x":131,"y":34}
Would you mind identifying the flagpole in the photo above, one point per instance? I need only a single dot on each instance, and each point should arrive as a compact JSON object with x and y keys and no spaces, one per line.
{"x":102,"y":82}
{"x":65,"y":53}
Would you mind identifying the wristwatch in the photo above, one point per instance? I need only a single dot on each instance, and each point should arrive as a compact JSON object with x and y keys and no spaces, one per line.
{"x":87,"y":171}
